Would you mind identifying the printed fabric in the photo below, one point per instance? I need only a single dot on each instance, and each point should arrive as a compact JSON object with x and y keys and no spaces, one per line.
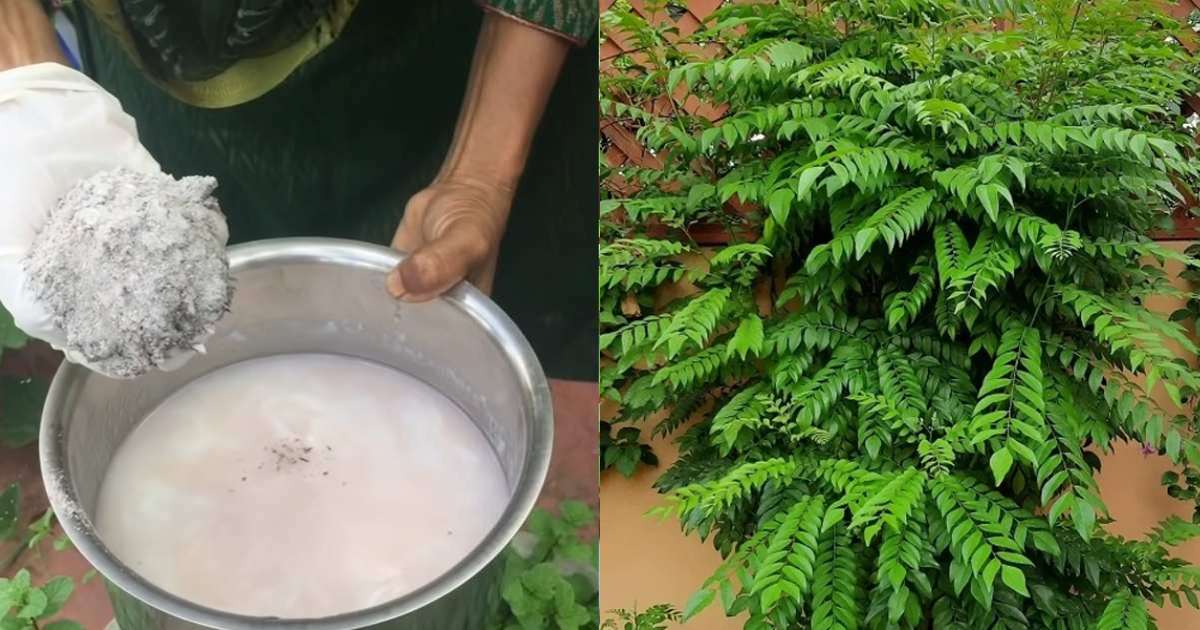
{"x":221,"y":53}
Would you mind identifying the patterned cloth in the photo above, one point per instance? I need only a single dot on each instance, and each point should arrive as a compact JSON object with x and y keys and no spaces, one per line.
{"x":574,"y":19}
{"x":221,"y":53}
{"x":198,"y":40}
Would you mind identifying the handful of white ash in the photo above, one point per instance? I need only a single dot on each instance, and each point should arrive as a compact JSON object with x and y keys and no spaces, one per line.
{"x":132,"y":268}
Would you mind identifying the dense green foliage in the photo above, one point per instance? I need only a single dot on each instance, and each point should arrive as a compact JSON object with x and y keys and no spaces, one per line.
{"x":20,"y":399}
{"x":549,"y":579}
{"x":23,"y":604}
{"x":26,"y":606}
{"x":624,"y":451}
{"x":929,"y":317}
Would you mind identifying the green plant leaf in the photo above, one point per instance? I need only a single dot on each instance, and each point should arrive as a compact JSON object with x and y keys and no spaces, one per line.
{"x":40,"y":529}
{"x":576,"y":513}
{"x":57,"y":591}
{"x":62,"y":624}
{"x":698,"y":602}
{"x":989,"y":196}
{"x":34,"y":605}
{"x":627,"y":459}
{"x":804,"y":183}
{"x":1014,"y":578}
{"x":897,"y":603}
{"x":10,"y":511}
{"x":748,"y":339}
{"x":780,"y":205}
{"x":770,"y":595}
{"x":699,"y":194}
{"x":1084,"y":517}
{"x":20,"y":410}
{"x":11,"y":337}
{"x":1001,"y":462}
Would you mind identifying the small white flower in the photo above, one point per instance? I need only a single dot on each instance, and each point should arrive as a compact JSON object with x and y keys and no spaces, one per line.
{"x":1192,"y":123}
{"x":1170,"y":40}
{"x":1196,"y":27}
{"x":758,"y":137}
{"x":652,"y":152}
{"x":731,"y":163}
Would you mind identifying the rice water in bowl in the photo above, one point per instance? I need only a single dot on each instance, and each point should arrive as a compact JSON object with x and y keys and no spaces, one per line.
{"x":336,"y":460}
{"x":365,"y":497}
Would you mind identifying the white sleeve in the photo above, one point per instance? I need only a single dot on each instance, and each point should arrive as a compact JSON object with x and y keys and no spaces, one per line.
{"x":57,"y":127}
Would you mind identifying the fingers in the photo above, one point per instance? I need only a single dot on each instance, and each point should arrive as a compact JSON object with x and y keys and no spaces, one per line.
{"x":434,"y":268}
{"x":408,"y":238}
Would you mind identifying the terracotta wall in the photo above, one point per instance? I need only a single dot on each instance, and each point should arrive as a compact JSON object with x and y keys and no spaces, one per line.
{"x":644,"y":561}
{"x":1129,"y":484}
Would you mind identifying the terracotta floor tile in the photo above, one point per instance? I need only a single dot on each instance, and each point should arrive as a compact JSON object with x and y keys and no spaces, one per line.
{"x":89,"y":605}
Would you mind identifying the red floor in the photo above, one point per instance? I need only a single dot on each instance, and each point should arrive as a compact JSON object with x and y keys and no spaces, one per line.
{"x":573,"y":475}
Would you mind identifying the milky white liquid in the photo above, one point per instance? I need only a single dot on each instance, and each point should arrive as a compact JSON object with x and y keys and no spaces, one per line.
{"x":300,"y":486}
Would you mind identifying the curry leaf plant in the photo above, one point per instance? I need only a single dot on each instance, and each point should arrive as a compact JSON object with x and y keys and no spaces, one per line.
{"x":891,"y":386}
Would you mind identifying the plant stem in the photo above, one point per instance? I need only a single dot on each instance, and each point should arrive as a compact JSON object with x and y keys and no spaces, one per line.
{"x":1075,"y":18}
{"x":22,"y":546}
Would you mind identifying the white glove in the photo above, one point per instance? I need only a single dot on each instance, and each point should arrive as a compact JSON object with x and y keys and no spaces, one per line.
{"x":57,"y":127}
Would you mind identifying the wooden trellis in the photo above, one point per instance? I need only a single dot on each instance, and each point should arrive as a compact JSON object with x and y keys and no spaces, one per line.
{"x":621,"y":146}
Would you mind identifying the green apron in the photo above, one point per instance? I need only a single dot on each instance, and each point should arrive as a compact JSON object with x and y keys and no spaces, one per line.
{"x":339,"y":147}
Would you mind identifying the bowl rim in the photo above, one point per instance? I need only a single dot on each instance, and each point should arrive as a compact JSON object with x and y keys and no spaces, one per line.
{"x":251,"y":255}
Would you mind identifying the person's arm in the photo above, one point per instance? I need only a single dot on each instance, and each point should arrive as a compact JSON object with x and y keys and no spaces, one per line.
{"x":452,"y":229}
{"x":514,"y":70}
{"x":26,"y":35}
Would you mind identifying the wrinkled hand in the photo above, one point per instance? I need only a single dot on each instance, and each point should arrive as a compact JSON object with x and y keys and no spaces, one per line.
{"x":451,"y":231}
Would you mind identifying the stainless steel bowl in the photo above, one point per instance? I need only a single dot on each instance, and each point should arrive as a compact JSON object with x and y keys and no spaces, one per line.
{"x":317,"y":295}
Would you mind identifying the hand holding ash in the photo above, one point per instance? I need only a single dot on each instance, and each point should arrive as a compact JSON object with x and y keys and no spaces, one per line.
{"x":131,"y":267}
{"x":102,"y":255}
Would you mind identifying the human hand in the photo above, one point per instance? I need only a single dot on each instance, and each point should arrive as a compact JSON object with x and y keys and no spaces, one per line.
{"x":451,"y":232}
{"x":58,"y":127}
{"x":452,"y":229}
{"x":26,"y":35}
